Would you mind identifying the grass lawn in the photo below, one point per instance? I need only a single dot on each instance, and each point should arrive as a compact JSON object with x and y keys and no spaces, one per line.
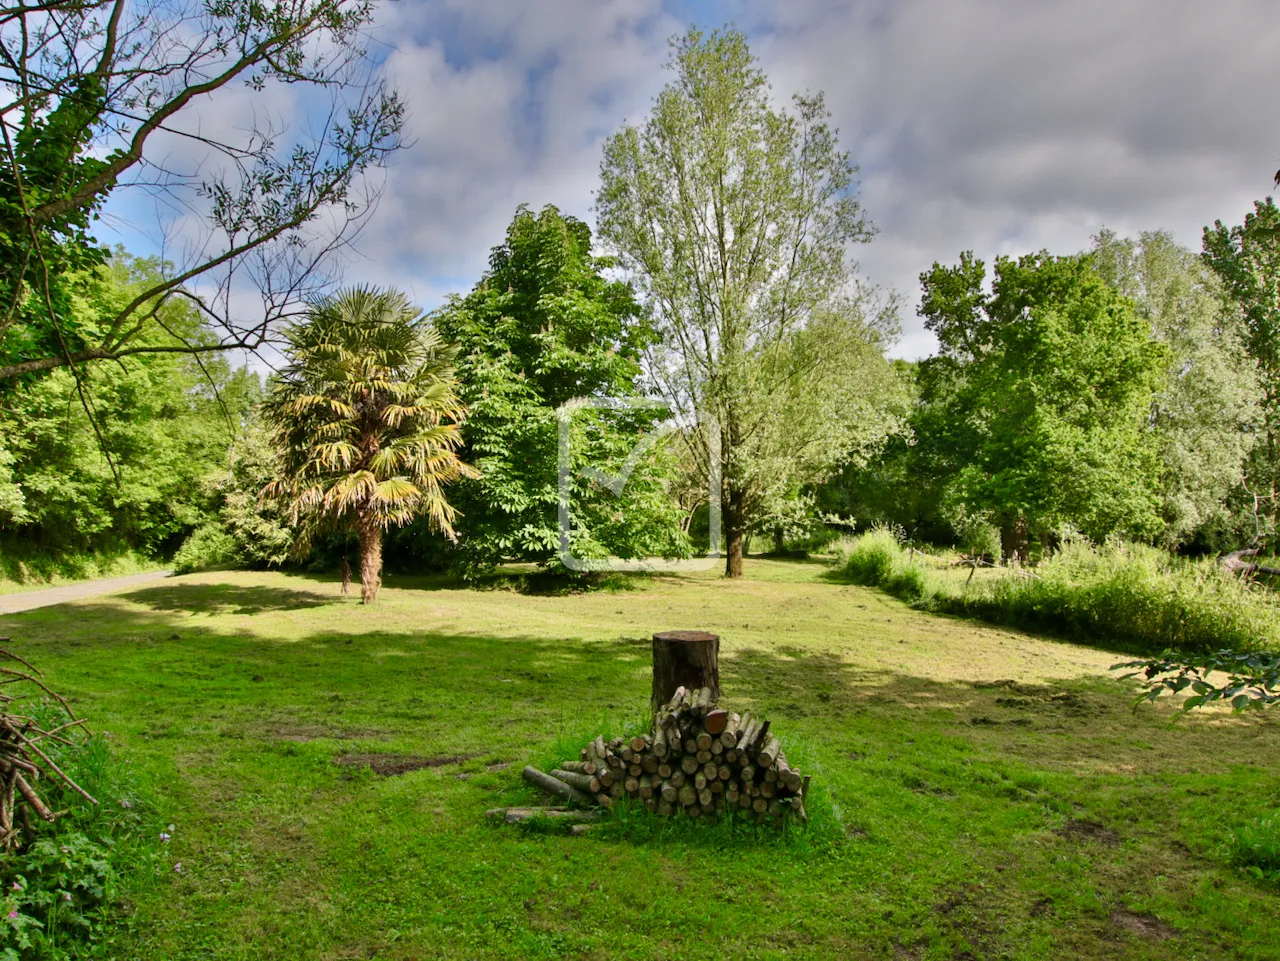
{"x":981,"y":793}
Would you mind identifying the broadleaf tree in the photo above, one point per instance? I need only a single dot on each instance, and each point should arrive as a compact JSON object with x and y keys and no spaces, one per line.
{"x":1042,"y":392}
{"x":1205,"y":415}
{"x":131,"y":477}
{"x":735,"y":218}
{"x":543,"y":327}
{"x":108,"y":100}
{"x":1246,"y":258}
{"x":366,"y":419}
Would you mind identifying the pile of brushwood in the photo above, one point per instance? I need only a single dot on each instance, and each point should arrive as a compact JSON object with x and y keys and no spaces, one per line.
{"x":23,"y":761}
{"x":698,"y":759}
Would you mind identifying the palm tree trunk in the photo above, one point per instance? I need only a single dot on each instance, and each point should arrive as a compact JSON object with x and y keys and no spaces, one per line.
{"x":370,"y":532}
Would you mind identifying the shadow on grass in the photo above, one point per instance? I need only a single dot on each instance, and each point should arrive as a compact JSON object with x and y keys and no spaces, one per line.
{"x":226,"y":599}
{"x":519,"y":579}
{"x":259,"y":707}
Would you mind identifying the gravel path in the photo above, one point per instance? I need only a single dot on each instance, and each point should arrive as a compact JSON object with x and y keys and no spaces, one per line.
{"x":29,"y":600}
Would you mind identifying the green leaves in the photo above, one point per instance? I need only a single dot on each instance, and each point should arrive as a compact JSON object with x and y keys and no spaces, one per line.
{"x":1247,"y":260}
{"x":90,"y":83}
{"x":542,"y":327}
{"x":1253,"y":678}
{"x":1042,"y":393}
{"x":366,"y":416}
{"x":735,"y":219}
{"x":165,"y":422}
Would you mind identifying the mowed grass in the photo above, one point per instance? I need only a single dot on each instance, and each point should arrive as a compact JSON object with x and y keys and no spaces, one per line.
{"x":981,"y":793}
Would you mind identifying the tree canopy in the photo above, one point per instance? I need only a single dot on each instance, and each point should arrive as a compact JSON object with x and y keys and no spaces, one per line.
{"x":104,"y":98}
{"x":1246,"y":258}
{"x":735,"y":219}
{"x":1206,"y":413}
{"x":130,"y":477}
{"x":542,"y":328}
{"x":1042,"y":391}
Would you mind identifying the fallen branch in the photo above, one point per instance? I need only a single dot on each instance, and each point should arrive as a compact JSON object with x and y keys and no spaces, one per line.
{"x":22,"y":761}
{"x":516,"y":815}
{"x":1235,"y":562}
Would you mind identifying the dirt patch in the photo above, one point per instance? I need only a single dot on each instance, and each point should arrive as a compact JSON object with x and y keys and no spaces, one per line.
{"x":498,"y":766}
{"x":1143,"y":925}
{"x":1019,"y":702}
{"x":1041,"y":907}
{"x":390,"y":765}
{"x":951,"y":904}
{"x":1081,"y":830}
{"x":302,"y":733}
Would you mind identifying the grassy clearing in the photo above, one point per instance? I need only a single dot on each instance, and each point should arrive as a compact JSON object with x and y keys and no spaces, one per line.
{"x":981,"y":793}
{"x":1130,"y":593}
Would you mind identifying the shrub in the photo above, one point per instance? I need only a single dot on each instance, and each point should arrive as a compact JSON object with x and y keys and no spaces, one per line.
{"x":1124,"y":592}
{"x":878,"y":560}
{"x":206,"y":547}
{"x":1137,"y":594}
{"x":59,"y":895}
{"x":26,"y":564}
{"x":1255,"y":848}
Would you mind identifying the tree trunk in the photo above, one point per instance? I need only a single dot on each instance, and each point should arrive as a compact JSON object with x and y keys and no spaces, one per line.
{"x":689,"y":659}
{"x":734,"y":533}
{"x":1014,"y":540}
{"x":370,"y":559}
{"x":779,"y":541}
{"x":733,"y":556}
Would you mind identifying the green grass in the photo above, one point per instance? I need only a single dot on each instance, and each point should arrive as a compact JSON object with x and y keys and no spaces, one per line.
{"x":978,"y":792}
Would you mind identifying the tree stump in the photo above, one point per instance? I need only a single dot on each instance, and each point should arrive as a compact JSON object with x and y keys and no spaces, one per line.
{"x":684,"y":659}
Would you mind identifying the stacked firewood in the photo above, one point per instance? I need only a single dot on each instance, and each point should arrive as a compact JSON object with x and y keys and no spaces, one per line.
{"x":698,"y":759}
{"x":23,"y":759}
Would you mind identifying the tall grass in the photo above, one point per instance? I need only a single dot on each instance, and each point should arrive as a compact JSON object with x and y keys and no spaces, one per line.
{"x":1131,"y":593}
{"x":1255,"y":848}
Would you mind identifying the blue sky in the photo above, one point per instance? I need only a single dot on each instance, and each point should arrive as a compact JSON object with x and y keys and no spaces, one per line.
{"x":999,"y":126}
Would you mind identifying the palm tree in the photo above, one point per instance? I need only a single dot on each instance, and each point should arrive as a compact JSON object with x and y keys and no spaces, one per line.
{"x":366,"y":419}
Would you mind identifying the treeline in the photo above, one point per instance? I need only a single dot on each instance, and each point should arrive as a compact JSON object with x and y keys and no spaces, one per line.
{"x":1131,"y":389}
{"x":1127,"y":390}
{"x":119,"y":459}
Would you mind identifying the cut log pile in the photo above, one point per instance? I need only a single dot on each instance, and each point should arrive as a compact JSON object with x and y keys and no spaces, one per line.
{"x":698,"y":759}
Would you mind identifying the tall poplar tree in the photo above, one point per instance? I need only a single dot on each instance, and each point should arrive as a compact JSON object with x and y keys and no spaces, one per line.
{"x":1247,"y":259}
{"x":1205,"y":415}
{"x":736,"y":218}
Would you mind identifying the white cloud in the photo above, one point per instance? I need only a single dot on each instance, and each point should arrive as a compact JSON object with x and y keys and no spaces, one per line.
{"x":999,"y":126}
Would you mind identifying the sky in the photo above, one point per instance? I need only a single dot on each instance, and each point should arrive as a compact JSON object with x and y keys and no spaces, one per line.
{"x":998,"y":126}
